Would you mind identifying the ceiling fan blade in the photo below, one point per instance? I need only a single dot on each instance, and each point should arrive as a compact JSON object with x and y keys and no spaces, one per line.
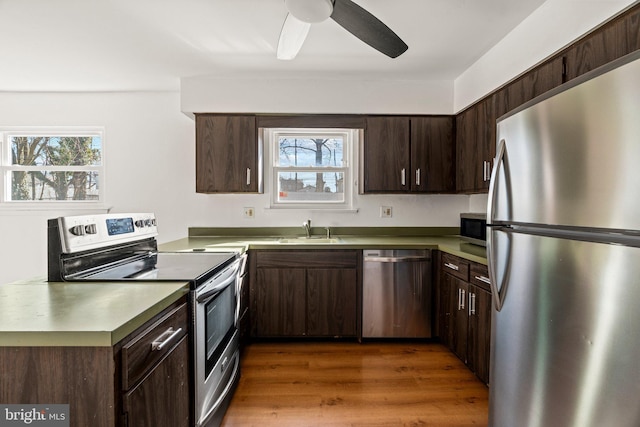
{"x":367,"y":28}
{"x":292,"y":36}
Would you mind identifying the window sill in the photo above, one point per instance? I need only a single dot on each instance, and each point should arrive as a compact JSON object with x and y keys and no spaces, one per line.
{"x":315,"y":209}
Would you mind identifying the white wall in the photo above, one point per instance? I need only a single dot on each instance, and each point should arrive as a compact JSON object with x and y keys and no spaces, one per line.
{"x":268,"y":94}
{"x":553,"y":26}
{"x":150,"y":166}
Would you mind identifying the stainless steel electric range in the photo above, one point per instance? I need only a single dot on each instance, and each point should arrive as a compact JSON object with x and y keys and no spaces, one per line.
{"x":123,"y":247}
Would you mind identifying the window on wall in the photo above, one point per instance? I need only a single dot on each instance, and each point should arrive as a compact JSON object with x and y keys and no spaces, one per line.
{"x":311,"y":168}
{"x":53,"y":165}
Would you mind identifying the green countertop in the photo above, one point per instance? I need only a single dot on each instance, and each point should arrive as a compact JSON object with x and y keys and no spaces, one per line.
{"x":451,"y":244}
{"x":38,"y":313}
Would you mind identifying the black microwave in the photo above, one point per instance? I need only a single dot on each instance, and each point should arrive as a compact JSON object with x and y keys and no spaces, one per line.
{"x":473,"y":228}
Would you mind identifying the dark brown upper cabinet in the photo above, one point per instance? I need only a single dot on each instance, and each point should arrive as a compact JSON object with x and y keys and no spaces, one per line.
{"x":475,"y":147}
{"x":476,"y":126}
{"x":611,"y":41}
{"x":228,"y":155}
{"x":404,"y":154}
{"x":432,"y":154}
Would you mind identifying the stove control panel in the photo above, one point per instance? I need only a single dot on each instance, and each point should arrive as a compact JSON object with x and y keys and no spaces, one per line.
{"x":84,"y":232}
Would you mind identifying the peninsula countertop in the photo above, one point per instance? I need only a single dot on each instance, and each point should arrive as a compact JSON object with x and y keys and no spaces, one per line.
{"x":40,"y":313}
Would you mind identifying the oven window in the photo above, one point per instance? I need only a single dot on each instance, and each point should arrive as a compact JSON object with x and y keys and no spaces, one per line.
{"x":219,"y":324}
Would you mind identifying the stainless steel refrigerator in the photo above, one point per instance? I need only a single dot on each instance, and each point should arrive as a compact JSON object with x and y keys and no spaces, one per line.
{"x":564,"y":256}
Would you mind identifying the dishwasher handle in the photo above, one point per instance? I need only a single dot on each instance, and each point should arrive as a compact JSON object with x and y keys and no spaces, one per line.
{"x":408,"y":258}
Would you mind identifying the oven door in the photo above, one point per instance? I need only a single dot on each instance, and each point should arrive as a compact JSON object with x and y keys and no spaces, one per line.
{"x":216,"y":348}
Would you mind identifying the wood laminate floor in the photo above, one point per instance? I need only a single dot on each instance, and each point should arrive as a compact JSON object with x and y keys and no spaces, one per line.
{"x":306,"y":384}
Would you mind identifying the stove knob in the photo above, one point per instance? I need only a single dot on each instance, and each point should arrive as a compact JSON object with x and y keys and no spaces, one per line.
{"x":77,"y":230}
{"x":147,"y":223}
{"x":139,"y":223}
{"x":90,"y":229}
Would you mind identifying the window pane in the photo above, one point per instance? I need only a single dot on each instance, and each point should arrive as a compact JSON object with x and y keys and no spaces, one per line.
{"x":310,"y":187}
{"x":56,"y":150}
{"x":305,"y":152}
{"x":49,"y":186}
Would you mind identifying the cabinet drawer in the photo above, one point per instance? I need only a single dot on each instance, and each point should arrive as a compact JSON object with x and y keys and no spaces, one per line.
{"x":480,"y":276}
{"x":307,"y":259}
{"x":455,"y":266}
{"x":141,"y":353}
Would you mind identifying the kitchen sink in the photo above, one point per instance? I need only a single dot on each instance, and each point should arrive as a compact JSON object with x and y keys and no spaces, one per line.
{"x":310,"y":240}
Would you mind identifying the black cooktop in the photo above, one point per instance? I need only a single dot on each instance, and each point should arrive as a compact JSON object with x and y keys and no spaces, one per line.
{"x":163,"y":266}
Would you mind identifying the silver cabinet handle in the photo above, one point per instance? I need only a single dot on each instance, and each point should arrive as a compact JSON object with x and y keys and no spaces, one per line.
{"x":165,"y":338}
{"x":472,"y":304}
{"x":418,"y":176}
{"x":483,"y":279}
{"x":486,"y":170}
{"x":451,"y":266}
{"x":402,"y":176}
{"x":248,"y":176}
{"x":462,"y":298}
{"x":459,"y":290}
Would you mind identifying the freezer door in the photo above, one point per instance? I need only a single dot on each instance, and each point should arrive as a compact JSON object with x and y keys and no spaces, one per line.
{"x":572,"y":159}
{"x":566,"y":343}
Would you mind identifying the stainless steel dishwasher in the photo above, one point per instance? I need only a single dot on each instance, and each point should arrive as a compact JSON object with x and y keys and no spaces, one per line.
{"x":397,"y":293}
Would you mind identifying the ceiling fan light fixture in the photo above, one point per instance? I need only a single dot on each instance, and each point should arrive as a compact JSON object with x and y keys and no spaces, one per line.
{"x":310,"y":11}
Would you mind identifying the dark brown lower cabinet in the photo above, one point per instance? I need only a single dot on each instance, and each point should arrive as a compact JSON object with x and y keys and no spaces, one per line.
{"x":304,"y":293}
{"x":331,"y":302}
{"x":125,"y":385}
{"x":280,"y":302}
{"x":159,"y":400}
{"x":464,"y":312}
{"x":479,"y":332}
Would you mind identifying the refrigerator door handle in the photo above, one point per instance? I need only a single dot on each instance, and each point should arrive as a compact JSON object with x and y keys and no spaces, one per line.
{"x":491,"y":205}
{"x":498,"y":290}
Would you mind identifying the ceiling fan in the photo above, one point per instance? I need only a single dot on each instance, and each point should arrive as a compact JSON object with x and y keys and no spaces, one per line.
{"x":353,"y":18}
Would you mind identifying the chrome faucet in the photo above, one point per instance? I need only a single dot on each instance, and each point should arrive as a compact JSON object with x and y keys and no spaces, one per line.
{"x":307,"y":228}
{"x":328,"y":232}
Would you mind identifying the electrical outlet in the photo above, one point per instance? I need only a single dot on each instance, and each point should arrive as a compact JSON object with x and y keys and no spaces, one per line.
{"x":386,"y":211}
{"x":249,"y":213}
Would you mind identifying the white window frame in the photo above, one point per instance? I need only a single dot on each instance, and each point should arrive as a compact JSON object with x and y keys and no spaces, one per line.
{"x":6,"y":167}
{"x":351,"y":139}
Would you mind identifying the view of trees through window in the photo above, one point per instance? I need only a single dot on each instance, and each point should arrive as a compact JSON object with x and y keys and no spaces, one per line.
{"x":310,"y":168}
{"x":46,"y":168}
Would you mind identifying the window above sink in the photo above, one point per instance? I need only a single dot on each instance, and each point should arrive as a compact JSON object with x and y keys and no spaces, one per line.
{"x":311,"y":167}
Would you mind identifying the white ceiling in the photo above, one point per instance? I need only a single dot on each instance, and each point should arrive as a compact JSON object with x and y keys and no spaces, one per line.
{"x":112,"y":45}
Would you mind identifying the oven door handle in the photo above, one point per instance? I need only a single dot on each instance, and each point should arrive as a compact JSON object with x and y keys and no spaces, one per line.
{"x":215,"y":287}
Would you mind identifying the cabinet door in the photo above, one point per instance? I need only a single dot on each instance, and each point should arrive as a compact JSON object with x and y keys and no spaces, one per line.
{"x":448,"y":301}
{"x":485,"y":143}
{"x":467,"y":160}
{"x":227,"y":154}
{"x":161,"y":399}
{"x":386,"y":165}
{"x":280,"y":302}
{"x":460,"y":319}
{"x":432,"y":155}
{"x":331,"y":302}
{"x":479,"y":337}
